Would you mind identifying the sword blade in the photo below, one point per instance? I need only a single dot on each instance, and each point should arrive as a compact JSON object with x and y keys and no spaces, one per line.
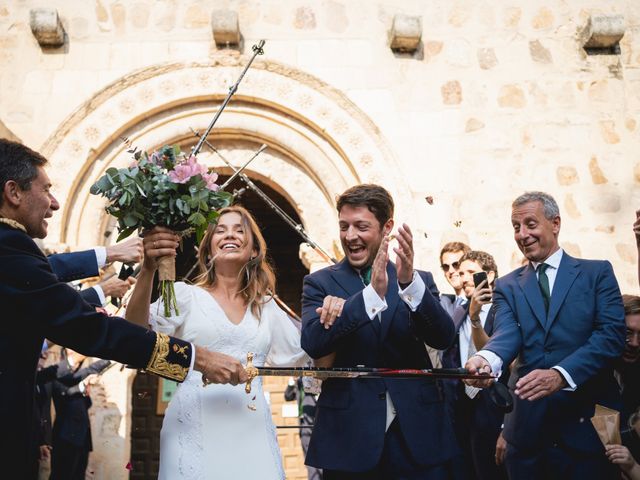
{"x":445,"y":373}
{"x":357,"y":372}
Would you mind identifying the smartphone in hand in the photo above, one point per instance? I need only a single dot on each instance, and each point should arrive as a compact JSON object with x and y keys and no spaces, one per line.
{"x":479,"y":277}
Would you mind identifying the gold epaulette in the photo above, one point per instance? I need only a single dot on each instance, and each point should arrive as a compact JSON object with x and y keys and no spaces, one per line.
{"x":13,"y":224}
{"x":167,"y":363}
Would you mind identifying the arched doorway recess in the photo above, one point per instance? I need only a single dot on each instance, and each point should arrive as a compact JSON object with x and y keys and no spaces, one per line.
{"x":319,"y":142}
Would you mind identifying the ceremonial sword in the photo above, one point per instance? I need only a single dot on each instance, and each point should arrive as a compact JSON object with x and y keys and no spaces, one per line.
{"x":358,"y":372}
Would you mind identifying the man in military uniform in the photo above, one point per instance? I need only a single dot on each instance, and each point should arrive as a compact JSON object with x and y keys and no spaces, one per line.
{"x":35,"y":305}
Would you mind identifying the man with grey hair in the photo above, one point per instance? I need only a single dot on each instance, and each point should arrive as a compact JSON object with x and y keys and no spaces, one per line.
{"x":563,"y":317}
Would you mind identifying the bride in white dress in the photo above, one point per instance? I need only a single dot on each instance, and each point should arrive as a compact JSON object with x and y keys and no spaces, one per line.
{"x":219,"y":431}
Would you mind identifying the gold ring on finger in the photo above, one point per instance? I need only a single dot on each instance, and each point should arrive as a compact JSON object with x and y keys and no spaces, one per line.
{"x":154,"y":244}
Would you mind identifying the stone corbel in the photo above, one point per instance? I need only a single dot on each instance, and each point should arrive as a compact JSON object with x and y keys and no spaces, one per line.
{"x":603,"y":32}
{"x":406,"y":33}
{"x":46,"y":27}
{"x":225,"y":28}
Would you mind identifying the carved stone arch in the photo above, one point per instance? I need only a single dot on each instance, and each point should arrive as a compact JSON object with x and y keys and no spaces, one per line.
{"x":319,"y":142}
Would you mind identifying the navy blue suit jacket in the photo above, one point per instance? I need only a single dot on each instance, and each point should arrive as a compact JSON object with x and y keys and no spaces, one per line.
{"x":351,"y":414}
{"x":35,"y":305}
{"x":584,"y":332}
{"x":76,"y":266}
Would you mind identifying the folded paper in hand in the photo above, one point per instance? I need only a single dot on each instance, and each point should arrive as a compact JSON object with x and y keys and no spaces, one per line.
{"x":607,"y":424}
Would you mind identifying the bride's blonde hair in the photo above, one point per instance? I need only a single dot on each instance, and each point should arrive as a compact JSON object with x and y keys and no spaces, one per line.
{"x":256,"y":276}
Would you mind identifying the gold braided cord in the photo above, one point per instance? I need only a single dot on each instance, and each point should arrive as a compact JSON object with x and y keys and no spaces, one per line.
{"x":13,"y":224}
{"x":158,"y":363}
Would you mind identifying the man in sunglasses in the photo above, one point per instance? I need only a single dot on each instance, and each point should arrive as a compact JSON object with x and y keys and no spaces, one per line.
{"x":450,"y":256}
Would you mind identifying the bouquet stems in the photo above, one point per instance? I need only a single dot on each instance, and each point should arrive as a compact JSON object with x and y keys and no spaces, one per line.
{"x":167,"y":277}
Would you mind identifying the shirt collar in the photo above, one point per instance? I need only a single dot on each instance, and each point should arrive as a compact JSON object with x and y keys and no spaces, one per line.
{"x":553,"y":260}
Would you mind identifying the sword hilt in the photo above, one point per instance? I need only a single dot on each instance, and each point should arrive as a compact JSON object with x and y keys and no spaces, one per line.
{"x":252,"y":372}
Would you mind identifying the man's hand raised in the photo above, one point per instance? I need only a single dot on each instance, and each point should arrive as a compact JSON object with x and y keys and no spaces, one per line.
{"x":404,"y":254}
{"x":128,"y":251}
{"x":379,"y":277}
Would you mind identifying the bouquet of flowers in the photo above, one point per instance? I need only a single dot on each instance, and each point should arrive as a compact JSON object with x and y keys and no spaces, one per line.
{"x":164,"y":188}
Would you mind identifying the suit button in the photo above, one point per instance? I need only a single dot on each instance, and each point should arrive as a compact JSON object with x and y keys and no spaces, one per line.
{"x":382,"y":396}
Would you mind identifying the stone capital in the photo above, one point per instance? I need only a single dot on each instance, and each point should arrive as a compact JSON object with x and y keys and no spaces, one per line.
{"x":603,"y":31}
{"x":406,"y":33}
{"x":225,"y":28}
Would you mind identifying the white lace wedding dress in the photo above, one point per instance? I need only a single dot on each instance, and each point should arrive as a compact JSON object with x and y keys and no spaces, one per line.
{"x":219,"y":431}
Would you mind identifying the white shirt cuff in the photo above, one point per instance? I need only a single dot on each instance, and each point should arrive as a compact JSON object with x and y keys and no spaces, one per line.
{"x":100,"y":293}
{"x":101,"y":256}
{"x":495,"y":362}
{"x":193,"y":357}
{"x":572,"y":385}
{"x":82,"y":387}
{"x":412,"y":295}
{"x":373,"y":304}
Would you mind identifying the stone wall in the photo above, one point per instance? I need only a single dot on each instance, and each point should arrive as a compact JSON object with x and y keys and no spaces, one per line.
{"x":500,"y":97}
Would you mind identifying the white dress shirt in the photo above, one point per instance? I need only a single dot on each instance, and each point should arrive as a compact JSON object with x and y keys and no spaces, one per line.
{"x":374,"y":306}
{"x":465,"y":332}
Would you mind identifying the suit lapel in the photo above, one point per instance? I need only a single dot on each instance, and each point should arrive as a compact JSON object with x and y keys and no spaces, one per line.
{"x":566,"y":275}
{"x":392,"y":299}
{"x":346,"y":278}
{"x":351,"y":283}
{"x":529,"y":284}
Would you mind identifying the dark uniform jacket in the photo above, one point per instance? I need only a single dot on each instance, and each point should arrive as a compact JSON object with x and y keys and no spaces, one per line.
{"x":34,"y":304}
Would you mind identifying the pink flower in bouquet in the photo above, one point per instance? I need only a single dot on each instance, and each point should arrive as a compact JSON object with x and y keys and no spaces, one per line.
{"x":211,"y":178}
{"x":185,"y":170}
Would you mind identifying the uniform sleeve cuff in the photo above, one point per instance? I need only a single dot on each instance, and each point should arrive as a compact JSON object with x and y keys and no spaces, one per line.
{"x":193,"y":357}
{"x":373,"y":304}
{"x":412,"y":295}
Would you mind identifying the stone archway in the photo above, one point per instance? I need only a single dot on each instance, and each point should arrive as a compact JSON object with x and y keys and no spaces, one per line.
{"x":319,"y":142}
